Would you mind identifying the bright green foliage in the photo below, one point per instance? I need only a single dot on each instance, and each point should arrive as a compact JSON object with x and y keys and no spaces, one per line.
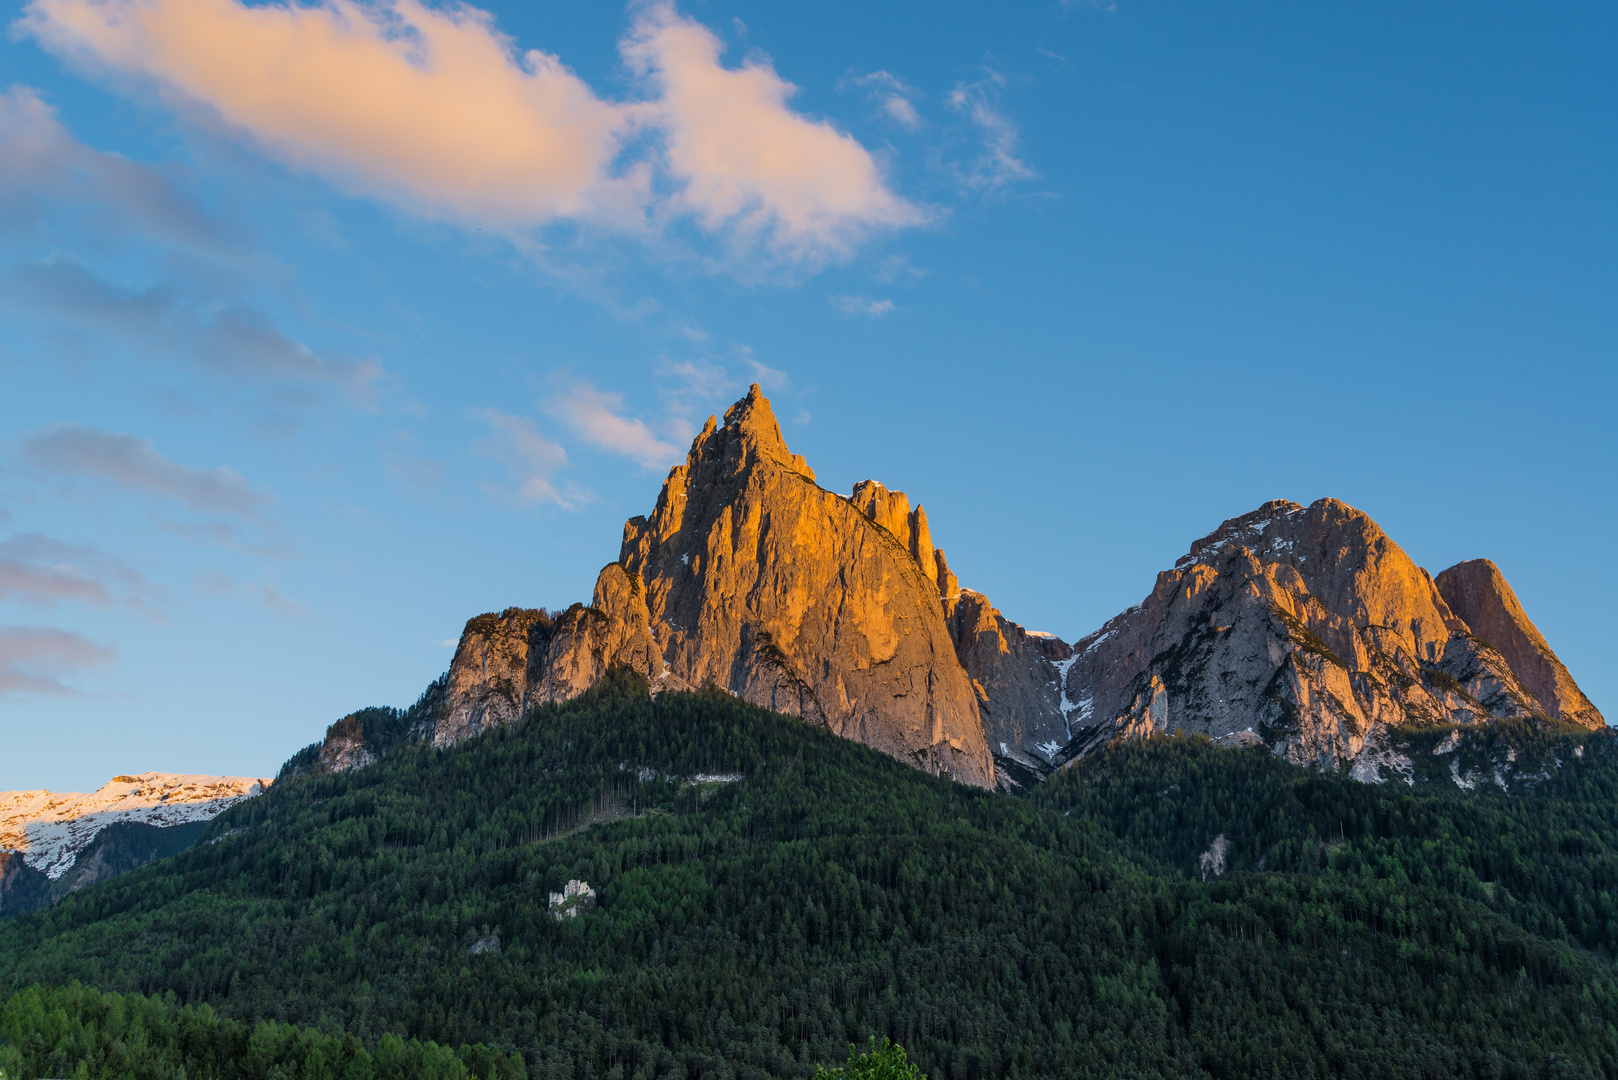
{"x":78,"y":1032}
{"x":757,"y":928}
{"x":880,"y":1062}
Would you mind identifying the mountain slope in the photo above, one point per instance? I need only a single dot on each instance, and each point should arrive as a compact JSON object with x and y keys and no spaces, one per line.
{"x":768,"y":892}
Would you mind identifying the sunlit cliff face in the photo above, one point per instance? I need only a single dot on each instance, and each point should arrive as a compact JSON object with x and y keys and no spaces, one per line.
{"x":51,"y":828}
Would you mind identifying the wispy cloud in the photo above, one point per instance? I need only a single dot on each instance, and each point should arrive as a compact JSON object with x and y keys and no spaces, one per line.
{"x":45,"y":174}
{"x":134,"y":465}
{"x":38,"y":659}
{"x":232,"y":340}
{"x":455,"y":123}
{"x":997,"y":165}
{"x":861,"y":305}
{"x":280,"y":603}
{"x":893,"y":96}
{"x":598,"y":418}
{"x":36,"y":569}
{"x":532,"y":460}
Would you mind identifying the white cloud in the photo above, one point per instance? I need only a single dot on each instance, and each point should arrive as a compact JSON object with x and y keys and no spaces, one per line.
{"x":133,"y":464}
{"x":861,"y":305}
{"x":36,"y":659}
{"x":596,"y":417}
{"x":998,"y":164}
{"x":532,"y":460}
{"x":435,"y":110}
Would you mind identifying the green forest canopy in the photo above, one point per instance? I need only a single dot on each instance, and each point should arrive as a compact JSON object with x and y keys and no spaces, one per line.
{"x":758,"y":928}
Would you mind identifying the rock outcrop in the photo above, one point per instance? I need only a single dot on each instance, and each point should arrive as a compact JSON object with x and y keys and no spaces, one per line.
{"x":1307,"y":628}
{"x":1478,"y":593}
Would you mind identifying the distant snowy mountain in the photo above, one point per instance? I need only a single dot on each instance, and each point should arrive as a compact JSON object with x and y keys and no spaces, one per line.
{"x":49,"y":828}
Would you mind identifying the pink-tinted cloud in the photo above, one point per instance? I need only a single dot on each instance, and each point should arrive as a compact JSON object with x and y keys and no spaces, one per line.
{"x":42,"y":571}
{"x":430,"y":107}
{"x":435,"y":110}
{"x":748,"y":162}
{"x":37,"y":659}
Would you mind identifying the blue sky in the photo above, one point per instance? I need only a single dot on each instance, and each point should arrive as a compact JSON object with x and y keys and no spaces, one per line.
{"x":322,"y":330}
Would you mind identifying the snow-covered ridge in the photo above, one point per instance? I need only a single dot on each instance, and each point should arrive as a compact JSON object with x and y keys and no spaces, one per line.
{"x":51,"y":828}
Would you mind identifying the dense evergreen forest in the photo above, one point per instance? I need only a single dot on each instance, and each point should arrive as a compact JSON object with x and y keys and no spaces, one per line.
{"x":768,"y":894}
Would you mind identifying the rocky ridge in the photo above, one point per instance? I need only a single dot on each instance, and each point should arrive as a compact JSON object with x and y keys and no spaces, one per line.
{"x":1306,"y":629}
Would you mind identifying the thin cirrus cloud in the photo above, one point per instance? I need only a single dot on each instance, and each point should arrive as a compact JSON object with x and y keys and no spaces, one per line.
{"x":43,"y":170}
{"x":531,"y":459}
{"x":38,"y":659}
{"x":997,"y":164}
{"x":597,"y":418}
{"x":436,"y":111}
{"x":861,"y":305}
{"x":893,"y":96}
{"x":132,"y":464}
{"x":233,"y":340}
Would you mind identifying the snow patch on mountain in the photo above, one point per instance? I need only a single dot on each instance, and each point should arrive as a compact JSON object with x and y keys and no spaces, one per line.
{"x":50,"y":828}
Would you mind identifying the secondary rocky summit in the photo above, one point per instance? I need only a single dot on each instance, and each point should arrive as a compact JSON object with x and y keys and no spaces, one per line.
{"x":1310,"y":630}
{"x":1304,"y":628}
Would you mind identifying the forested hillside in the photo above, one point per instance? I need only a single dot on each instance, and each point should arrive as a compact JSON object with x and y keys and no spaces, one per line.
{"x":769,"y":893}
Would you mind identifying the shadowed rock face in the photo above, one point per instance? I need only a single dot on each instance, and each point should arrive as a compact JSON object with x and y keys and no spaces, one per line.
{"x":1477,"y":592}
{"x":1304,"y":627}
{"x":1017,"y":678}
